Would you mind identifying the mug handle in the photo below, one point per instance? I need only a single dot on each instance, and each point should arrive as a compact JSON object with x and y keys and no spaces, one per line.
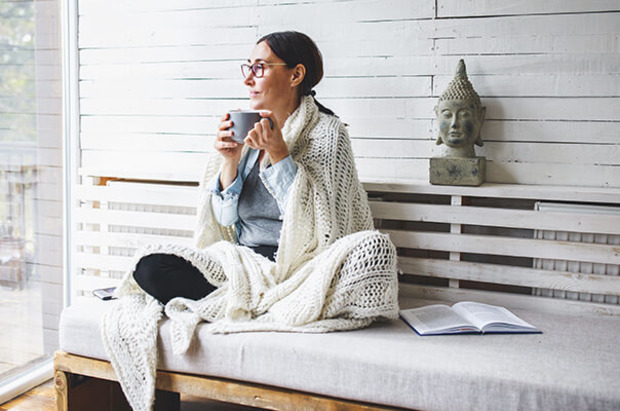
{"x":270,"y":121}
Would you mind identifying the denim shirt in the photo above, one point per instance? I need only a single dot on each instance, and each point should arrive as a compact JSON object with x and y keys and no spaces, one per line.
{"x":277,"y":179}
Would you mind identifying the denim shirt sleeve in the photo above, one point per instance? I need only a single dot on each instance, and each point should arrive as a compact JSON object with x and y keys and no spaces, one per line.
{"x":278,"y":180}
{"x":224,"y":202}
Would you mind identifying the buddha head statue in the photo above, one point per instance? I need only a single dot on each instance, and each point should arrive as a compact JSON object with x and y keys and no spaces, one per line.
{"x":460,"y":116}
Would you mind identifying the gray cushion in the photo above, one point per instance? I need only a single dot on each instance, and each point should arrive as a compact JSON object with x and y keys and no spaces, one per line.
{"x":575,"y":364}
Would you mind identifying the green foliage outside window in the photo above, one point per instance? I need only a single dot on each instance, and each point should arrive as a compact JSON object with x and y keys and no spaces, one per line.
{"x":17,"y":72}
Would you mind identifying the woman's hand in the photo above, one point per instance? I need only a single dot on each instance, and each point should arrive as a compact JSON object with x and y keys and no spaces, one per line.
{"x":224,"y":144}
{"x":264,"y":137}
{"x":229,"y":149}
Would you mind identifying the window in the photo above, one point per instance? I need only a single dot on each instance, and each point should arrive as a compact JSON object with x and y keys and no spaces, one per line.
{"x":31,"y":178}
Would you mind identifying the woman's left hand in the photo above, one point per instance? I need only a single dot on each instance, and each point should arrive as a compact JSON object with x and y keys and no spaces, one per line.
{"x":264,"y":137}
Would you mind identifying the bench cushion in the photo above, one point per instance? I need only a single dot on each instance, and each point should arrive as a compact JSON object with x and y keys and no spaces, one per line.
{"x":574,"y":364}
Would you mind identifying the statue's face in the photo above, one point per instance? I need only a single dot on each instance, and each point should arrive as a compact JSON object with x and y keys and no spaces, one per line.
{"x":459,"y":123}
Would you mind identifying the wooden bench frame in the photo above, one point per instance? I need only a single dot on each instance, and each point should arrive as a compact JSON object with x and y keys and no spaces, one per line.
{"x":79,"y":381}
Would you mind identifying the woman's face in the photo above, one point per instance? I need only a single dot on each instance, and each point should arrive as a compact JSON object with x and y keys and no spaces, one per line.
{"x":274,"y":90}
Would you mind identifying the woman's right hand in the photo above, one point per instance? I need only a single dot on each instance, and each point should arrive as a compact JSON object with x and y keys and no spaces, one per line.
{"x":229,"y":149}
{"x":224,"y":144}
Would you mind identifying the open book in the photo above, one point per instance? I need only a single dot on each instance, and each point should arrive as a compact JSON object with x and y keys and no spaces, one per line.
{"x":464,"y":317}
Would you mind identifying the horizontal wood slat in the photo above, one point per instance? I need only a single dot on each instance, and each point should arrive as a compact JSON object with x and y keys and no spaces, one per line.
{"x":137,"y":193}
{"x":88,"y":283}
{"x":102,"y":262}
{"x":486,"y":216}
{"x":519,"y":276}
{"x":127,"y":240}
{"x":188,"y":167}
{"x":606,"y":195}
{"x":219,"y":389}
{"x":136,"y":219}
{"x":526,"y":108}
{"x":496,"y":245}
{"x":454,"y":8}
{"x":515,"y":173}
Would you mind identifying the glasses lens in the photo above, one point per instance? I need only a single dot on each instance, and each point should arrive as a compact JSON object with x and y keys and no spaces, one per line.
{"x":245,"y":70}
{"x":258,"y":69}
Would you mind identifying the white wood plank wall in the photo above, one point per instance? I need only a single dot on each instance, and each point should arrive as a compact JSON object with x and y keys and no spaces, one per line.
{"x":156,"y":75}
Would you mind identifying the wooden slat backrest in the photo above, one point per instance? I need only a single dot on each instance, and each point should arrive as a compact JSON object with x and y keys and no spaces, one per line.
{"x":487,"y":238}
{"x":449,"y":238}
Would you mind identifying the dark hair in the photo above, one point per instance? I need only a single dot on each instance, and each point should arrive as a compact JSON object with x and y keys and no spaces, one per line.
{"x":297,"y":48}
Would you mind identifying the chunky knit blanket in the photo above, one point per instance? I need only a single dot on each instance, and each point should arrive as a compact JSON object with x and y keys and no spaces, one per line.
{"x":332,"y":270}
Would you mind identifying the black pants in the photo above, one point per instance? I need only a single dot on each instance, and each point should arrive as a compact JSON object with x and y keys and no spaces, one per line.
{"x":166,"y":276}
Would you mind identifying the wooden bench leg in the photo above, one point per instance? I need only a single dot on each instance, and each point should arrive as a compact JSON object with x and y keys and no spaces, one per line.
{"x":167,"y":401}
{"x":77,"y":392}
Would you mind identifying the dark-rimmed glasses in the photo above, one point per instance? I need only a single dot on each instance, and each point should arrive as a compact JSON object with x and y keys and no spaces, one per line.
{"x":257,"y":68}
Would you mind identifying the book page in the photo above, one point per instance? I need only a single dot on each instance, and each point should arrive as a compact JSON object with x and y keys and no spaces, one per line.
{"x":494,"y":318}
{"x":436,"y":319}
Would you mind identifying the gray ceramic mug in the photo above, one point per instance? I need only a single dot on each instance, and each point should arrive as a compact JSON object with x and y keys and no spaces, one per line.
{"x":243,"y":122}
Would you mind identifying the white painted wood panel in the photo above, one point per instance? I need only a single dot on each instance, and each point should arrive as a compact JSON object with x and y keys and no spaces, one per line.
{"x":417,"y":108}
{"x":143,"y":165}
{"x":528,"y":43}
{"x":168,"y":142}
{"x":175,"y":196}
{"x":152,"y":92}
{"x":156,"y":33}
{"x":562,"y":25}
{"x":509,"y":173}
{"x":501,"y":152}
{"x":538,"y":85}
{"x":520,"y":276}
{"x":159,"y":54}
{"x":584,"y":132}
{"x":127,"y":240}
{"x":150,"y":124}
{"x":460,"y":8}
{"x":494,"y":245}
{"x":503,"y":64}
{"x":583,"y":194}
{"x":136,"y":219}
{"x":102,"y":262}
{"x":496,"y":217}
{"x":213,"y":87}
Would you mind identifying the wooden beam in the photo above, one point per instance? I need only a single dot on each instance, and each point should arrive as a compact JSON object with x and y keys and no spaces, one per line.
{"x":219,"y":389}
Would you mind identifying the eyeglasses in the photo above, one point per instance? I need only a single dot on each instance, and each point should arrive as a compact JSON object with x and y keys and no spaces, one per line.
{"x":257,"y":68}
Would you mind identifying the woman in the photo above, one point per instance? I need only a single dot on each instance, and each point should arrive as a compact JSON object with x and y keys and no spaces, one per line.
{"x":331,"y":271}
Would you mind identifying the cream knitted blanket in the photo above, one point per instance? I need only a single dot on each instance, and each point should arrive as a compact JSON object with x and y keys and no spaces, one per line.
{"x":332,"y":271}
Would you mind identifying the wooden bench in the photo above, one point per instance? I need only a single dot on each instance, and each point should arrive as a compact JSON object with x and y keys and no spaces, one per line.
{"x":549,"y":253}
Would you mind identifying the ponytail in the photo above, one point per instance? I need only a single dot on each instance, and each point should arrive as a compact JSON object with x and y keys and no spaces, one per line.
{"x":321,"y":107}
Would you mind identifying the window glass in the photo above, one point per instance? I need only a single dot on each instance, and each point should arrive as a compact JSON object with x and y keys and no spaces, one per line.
{"x":31,"y":234}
